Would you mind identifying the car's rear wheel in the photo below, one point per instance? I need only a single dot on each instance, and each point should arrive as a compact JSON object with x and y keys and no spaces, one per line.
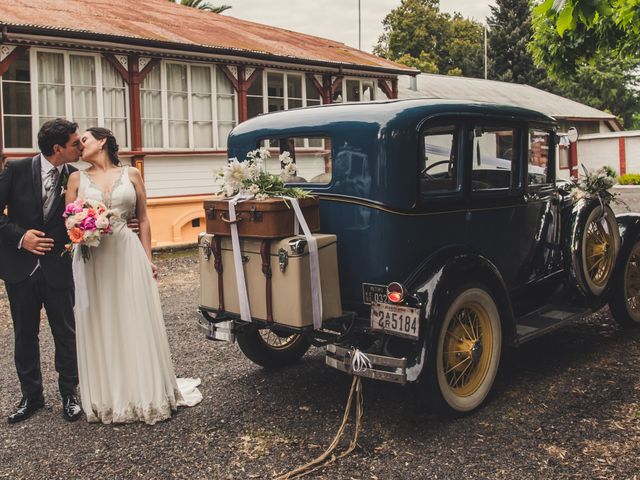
{"x":467,"y":353}
{"x":625,"y":298}
{"x":270,"y":349}
{"x":599,"y":246}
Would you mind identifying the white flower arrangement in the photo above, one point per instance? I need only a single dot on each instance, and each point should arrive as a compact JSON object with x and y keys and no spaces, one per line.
{"x":250,"y":177}
{"x":596,"y":184}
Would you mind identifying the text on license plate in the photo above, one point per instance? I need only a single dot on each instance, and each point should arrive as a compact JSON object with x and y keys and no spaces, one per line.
{"x":395,"y":319}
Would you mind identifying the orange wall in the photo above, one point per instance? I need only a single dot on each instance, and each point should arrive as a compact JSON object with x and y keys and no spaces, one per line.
{"x":171,"y":220}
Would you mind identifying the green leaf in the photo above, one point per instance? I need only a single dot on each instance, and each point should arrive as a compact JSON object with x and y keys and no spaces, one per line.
{"x":565,"y":20}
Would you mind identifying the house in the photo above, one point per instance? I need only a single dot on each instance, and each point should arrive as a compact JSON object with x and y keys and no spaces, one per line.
{"x":170,"y":82}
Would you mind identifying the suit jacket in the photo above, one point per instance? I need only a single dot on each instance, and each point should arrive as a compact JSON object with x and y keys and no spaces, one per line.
{"x":21,"y":194}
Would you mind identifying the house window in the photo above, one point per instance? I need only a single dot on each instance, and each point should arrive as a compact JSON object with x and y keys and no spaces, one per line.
{"x":255,"y":98}
{"x":181,"y":107}
{"x":42,"y":85}
{"x":84,"y":101}
{"x":275,"y":92}
{"x":116,"y":102}
{"x":151,"y":109}
{"x":51,"y":86}
{"x":357,"y":91}
{"x":312,"y":93}
{"x":16,"y":104}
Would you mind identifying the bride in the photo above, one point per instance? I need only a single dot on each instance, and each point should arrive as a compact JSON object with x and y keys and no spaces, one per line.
{"x":124,"y":362}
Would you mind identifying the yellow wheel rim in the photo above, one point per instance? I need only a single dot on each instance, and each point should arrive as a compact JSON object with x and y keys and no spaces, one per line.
{"x":599,"y":251}
{"x":467,"y":349}
{"x":632,"y":282}
{"x":276,"y":342}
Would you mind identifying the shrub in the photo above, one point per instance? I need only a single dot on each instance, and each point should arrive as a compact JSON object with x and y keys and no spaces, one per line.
{"x":629,"y":179}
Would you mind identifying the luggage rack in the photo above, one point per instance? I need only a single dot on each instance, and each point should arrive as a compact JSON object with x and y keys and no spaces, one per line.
{"x":224,"y":326}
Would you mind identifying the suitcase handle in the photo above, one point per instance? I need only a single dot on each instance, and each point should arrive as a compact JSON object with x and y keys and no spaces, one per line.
{"x":225,"y":219}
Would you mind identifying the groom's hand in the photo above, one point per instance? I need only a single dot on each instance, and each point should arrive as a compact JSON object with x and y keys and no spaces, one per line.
{"x":35,"y":242}
{"x":134,"y":225}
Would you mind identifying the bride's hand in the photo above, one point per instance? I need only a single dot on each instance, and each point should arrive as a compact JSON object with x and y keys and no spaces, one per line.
{"x":154,"y":271}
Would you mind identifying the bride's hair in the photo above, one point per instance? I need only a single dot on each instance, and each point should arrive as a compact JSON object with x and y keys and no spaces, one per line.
{"x":111,"y":145}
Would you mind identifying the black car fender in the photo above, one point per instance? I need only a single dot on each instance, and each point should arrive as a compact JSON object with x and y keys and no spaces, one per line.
{"x":437,"y":280}
{"x":629,"y":227}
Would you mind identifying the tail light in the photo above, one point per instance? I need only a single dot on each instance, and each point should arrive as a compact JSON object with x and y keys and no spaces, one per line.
{"x":395,"y":292}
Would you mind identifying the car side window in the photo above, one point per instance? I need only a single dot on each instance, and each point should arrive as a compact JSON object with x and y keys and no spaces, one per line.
{"x":311,"y":159}
{"x":439,"y":165}
{"x":494,"y":151}
{"x":538,"y":157}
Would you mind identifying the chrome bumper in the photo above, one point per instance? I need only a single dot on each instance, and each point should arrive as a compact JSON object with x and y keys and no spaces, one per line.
{"x":388,"y":369}
{"x":223,"y":331}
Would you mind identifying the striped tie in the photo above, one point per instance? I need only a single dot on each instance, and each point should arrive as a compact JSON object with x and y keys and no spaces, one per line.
{"x":50,"y":183}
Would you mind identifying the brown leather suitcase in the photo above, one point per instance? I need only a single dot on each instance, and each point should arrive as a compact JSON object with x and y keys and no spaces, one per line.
{"x":270,"y":218}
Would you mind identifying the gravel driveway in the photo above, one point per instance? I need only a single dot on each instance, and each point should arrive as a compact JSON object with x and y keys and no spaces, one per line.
{"x":566,"y":406}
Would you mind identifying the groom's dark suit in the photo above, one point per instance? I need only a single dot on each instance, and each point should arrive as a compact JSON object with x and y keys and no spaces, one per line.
{"x":33,"y":281}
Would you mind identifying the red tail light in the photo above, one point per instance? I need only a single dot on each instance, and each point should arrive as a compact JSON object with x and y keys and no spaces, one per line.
{"x":395,"y":292}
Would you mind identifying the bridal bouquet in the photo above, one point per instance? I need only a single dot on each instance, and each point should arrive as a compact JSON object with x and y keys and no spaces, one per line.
{"x":87,"y":221}
{"x":250,"y":177}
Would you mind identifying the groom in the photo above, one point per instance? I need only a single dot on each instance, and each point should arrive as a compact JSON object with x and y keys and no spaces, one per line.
{"x":32,"y":239}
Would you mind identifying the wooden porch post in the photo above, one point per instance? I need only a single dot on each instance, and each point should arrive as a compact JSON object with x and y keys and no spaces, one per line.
{"x":622,"y":155}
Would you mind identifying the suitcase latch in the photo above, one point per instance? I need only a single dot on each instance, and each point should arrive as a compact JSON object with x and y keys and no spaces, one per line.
{"x":297,"y":246}
{"x":255,"y":215}
{"x":206,"y":249}
{"x":283,"y":259}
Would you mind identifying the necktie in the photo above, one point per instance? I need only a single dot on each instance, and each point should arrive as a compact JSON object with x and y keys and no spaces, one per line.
{"x":50,"y":182}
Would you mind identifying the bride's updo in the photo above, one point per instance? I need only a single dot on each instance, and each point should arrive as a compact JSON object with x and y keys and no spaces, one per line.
{"x":111,"y":145}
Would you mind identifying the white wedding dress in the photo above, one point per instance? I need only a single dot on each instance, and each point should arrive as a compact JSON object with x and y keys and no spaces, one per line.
{"x":124,"y":363}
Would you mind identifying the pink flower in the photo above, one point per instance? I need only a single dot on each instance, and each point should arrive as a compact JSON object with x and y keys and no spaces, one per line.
{"x":71,"y":209}
{"x":88,"y":223}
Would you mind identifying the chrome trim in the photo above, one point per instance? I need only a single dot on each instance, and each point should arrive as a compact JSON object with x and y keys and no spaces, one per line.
{"x":392,"y":369}
{"x":223,"y":331}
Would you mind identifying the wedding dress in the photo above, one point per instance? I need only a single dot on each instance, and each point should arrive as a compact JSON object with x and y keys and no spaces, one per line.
{"x":124,"y":363}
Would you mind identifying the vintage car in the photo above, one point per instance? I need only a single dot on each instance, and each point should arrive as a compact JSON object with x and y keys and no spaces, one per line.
{"x":454,"y":241}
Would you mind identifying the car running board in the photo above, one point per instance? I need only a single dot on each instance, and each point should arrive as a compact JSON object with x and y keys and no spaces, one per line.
{"x":546,"y":320}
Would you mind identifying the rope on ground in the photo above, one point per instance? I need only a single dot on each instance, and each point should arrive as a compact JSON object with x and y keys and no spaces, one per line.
{"x":328,"y":457}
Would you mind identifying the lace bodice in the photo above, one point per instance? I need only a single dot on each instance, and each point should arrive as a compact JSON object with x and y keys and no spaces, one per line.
{"x":121,"y":197}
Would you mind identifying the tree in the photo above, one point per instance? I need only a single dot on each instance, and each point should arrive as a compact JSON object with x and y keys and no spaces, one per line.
{"x":508,"y":37}
{"x":203,"y":5}
{"x":587,"y":28}
{"x":417,"y":34}
{"x":586,"y":50}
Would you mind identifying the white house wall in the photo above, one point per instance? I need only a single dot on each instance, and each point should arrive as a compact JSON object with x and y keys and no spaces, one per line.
{"x":633,"y":154}
{"x":172,"y":176}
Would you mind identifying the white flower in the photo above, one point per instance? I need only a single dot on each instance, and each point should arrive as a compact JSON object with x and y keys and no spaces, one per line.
{"x":102,"y":221}
{"x":254,"y":189}
{"x":290,"y":170}
{"x":285,"y":158}
{"x":261,"y":196}
{"x":229,"y":190}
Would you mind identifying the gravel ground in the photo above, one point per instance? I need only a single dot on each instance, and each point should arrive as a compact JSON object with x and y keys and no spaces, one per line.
{"x":564,"y":407}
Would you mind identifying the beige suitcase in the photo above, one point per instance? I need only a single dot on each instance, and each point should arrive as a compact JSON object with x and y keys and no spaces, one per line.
{"x":286,"y":298}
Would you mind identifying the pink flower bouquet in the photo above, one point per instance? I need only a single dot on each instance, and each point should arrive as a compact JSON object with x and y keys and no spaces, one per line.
{"x":87,"y":221}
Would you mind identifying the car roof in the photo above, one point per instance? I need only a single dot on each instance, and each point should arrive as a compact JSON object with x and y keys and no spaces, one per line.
{"x":381,"y":113}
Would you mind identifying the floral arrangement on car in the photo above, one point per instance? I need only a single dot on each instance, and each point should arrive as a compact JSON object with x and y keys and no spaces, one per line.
{"x":251,"y":178}
{"x":87,"y":222}
{"x":596,"y":184}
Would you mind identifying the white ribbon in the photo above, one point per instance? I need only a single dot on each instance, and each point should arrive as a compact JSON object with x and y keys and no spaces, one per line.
{"x":314,"y":263}
{"x":243,"y":297}
{"x":360,"y":362}
{"x":80,"y":282}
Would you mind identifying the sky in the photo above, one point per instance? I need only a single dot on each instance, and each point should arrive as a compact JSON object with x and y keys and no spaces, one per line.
{"x":337,"y":19}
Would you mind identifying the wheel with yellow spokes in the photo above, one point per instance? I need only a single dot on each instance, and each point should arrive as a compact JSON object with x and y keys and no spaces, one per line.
{"x":271,"y":349}
{"x":467,"y":353}
{"x":599,"y":249}
{"x":625,"y":298}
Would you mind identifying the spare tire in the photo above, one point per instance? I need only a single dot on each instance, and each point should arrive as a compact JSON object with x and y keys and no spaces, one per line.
{"x":594,"y":247}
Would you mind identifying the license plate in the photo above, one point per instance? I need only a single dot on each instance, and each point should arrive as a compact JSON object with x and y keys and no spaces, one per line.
{"x":395,"y":319}
{"x":374,"y":293}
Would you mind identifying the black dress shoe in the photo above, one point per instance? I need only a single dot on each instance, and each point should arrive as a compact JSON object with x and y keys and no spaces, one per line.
{"x":71,"y":410}
{"x":26,"y":408}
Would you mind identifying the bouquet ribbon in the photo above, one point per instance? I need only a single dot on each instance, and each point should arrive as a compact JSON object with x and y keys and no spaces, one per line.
{"x":81,"y":292}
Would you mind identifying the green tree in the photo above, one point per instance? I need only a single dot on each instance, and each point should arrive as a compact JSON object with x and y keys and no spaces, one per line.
{"x":586,"y":53}
{"x":508,"y":37}
{"x":203,"y":5}
{"x":587,"y":29}
{"x":417,"y":34}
